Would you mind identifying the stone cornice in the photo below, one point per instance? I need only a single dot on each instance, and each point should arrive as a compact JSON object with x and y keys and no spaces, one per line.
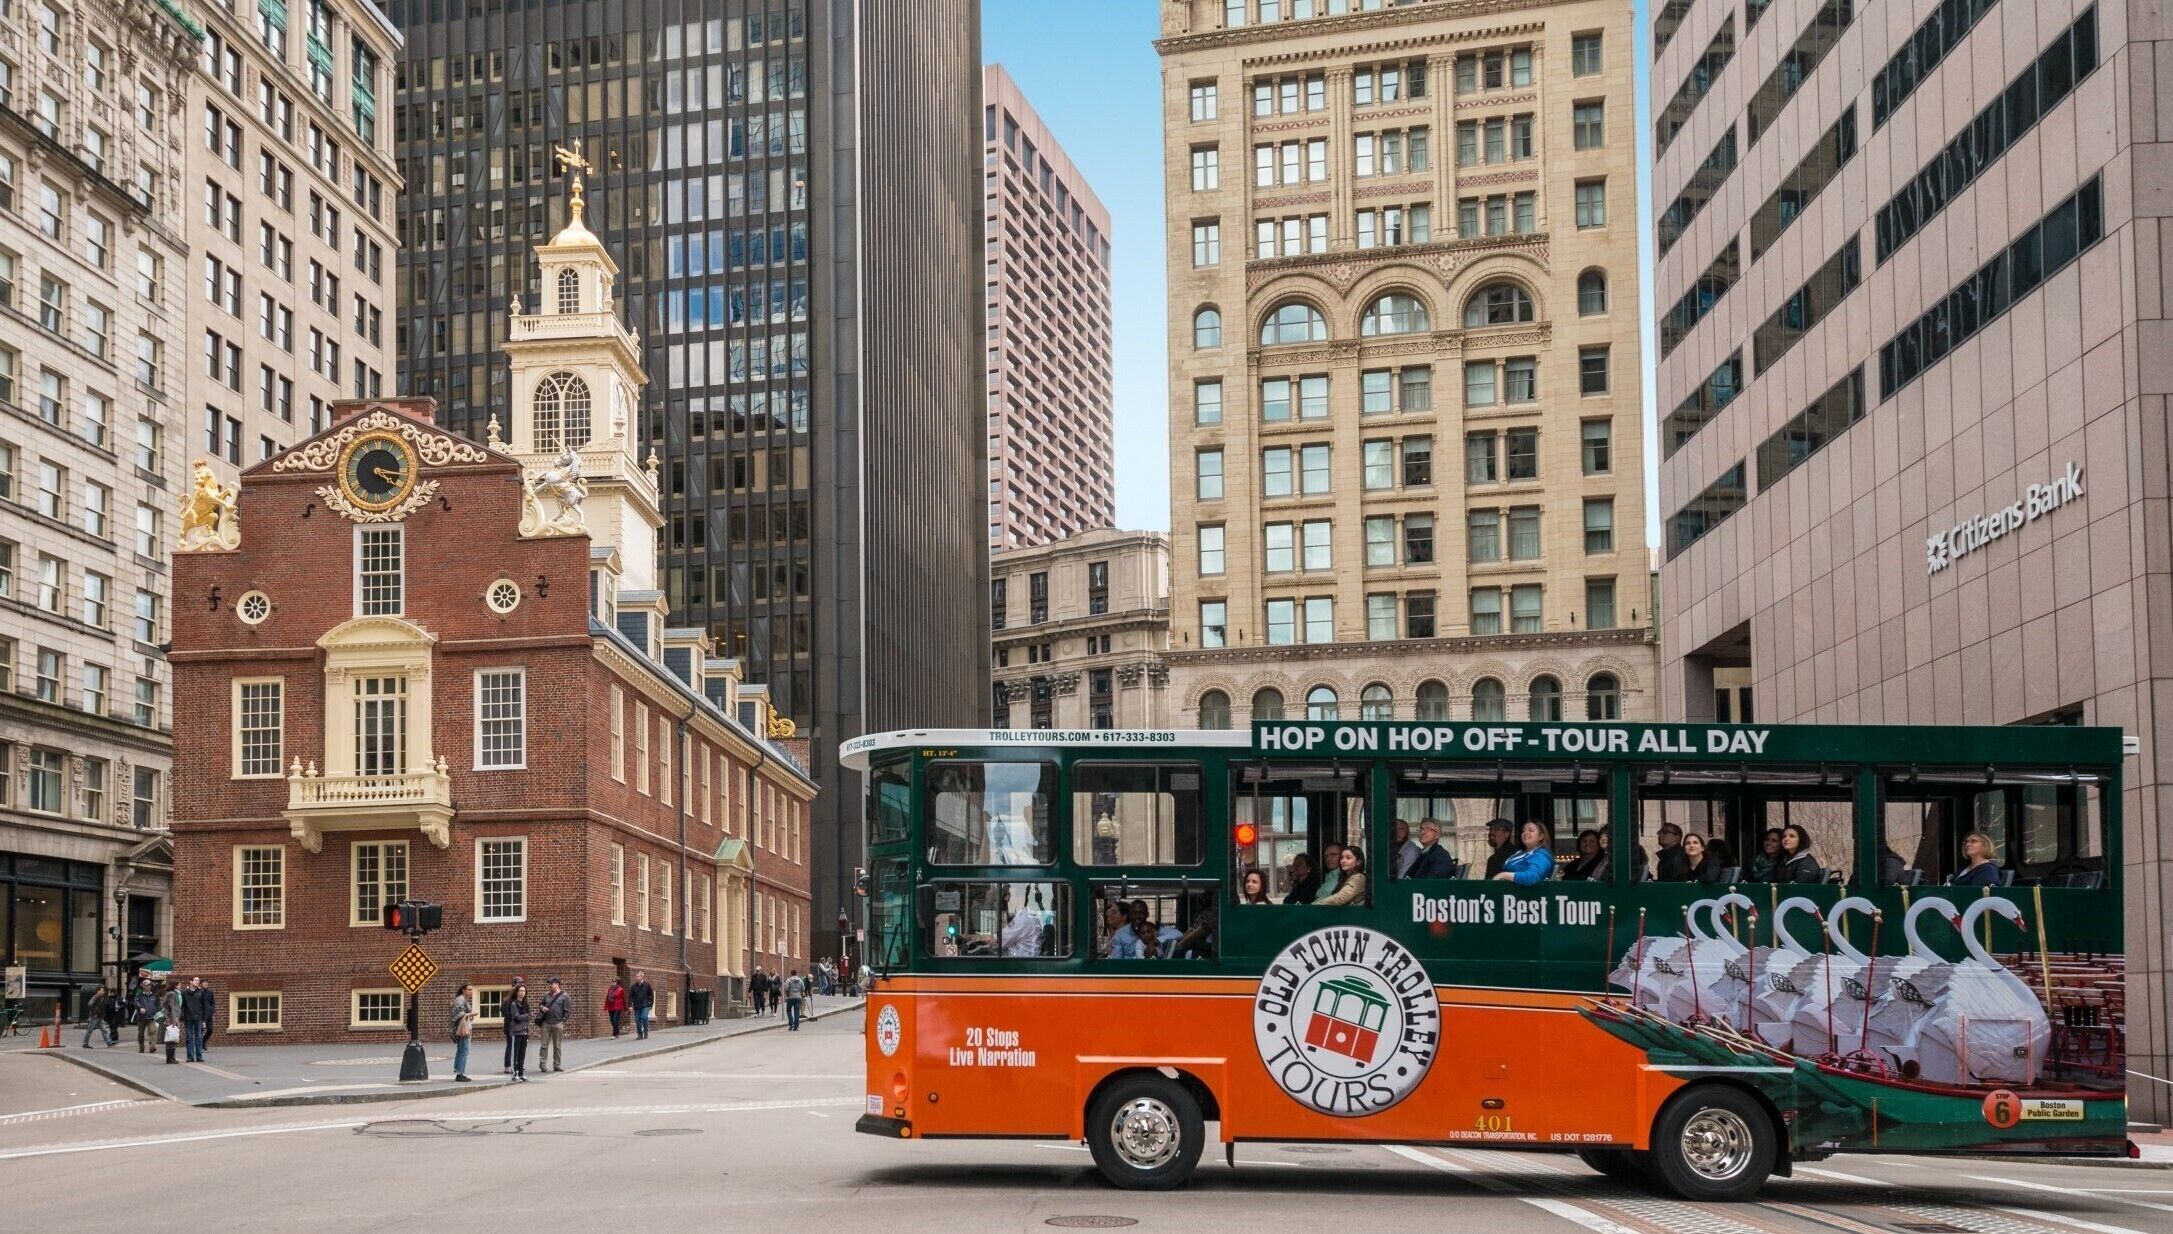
{"x":1341,"y":35}
{"x":1471,"y":645}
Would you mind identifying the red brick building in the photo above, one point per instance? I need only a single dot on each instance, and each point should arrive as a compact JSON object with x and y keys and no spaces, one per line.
{"x":407,"y":664}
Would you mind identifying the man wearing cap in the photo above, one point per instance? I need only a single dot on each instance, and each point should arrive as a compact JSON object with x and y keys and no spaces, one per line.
{"x":1497,"y":841}
{"x":552,"y":1016}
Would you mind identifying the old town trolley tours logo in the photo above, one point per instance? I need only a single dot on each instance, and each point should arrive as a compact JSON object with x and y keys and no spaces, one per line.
{"x":1346,"y":1021}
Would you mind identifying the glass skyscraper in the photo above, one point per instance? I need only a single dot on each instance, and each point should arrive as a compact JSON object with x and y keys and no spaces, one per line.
{"x":793,"y":189}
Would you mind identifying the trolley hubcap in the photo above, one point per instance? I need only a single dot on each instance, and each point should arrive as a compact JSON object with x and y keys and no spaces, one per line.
{"x":1145,"y":1133}
{"x":1717,"y":1144}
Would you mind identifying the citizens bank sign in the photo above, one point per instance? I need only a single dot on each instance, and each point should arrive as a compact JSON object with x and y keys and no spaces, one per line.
{"x":1964,"y":538}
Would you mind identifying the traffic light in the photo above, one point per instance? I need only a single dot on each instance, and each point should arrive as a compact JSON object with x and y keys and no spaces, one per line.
{"x":421,"y":916}
{"x":860,"y":881}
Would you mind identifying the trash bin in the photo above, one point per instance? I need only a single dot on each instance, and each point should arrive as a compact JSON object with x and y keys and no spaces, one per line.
{"x":698,"y":1006}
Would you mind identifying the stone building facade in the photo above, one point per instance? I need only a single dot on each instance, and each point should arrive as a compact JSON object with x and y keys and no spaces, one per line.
{"x":1080,"y":630}
{"x":94,"y":282}
{"x":1406,"y":431}
{"x":1051,"y":448}
{"x":292,"y":231}
{"x":440,"y":669}
{"x":1913,"y":374}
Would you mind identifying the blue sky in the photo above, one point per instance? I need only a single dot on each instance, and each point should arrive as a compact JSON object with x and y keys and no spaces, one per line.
{"x":1091,"y":71}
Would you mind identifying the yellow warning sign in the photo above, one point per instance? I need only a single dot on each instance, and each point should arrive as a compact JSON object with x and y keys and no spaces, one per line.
{"x":414,"y":968}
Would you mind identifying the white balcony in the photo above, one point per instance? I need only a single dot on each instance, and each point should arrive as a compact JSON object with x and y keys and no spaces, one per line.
{"x":421,"y":799}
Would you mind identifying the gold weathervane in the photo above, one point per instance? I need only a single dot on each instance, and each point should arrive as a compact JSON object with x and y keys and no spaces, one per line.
{"x":578,"y":164}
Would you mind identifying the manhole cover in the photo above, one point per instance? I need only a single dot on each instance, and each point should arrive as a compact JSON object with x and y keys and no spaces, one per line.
{"x":669,"y":1131}
{"x":1091,"y":1221}
{"x":1314,"y":1150}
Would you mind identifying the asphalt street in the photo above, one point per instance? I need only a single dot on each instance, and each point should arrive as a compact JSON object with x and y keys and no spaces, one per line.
{"x":757,"y":1131}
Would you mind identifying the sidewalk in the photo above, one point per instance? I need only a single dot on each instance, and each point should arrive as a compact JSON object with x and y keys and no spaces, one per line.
{"x":240,"y":1074}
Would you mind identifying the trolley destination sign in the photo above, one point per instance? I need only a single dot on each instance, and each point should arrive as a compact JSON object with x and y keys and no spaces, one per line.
{"x":1803,"y":744}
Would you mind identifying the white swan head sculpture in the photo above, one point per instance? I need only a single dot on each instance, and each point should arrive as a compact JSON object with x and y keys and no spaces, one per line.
{"x":1721,"y":933}
{"x":2005,"y":908}
{"x":1917,"y":910}
{"x":1780,"y":928}
{"x":1848,"y":904}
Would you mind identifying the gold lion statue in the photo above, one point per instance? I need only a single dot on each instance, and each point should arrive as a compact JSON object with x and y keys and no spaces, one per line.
{"x":209,"y":521}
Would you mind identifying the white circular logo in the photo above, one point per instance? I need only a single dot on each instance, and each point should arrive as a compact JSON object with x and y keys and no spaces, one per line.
{"x":887,"y":1031}
{"x":1346,"y":1021}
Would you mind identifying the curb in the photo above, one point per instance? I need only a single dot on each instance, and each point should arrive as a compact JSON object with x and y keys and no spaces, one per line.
{"x":118,"y":1077}
{"x":381,"y":1095}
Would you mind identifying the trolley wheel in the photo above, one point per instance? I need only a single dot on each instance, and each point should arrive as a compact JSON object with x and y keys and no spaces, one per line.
{"x":1713,"y":1143}
{"x":1146,"y":1132}
{"x":1625,"y":1165}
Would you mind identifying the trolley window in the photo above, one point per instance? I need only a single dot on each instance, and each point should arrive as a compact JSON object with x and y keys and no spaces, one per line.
{"x":1992,"y":828}
{"x":890,"y":803}
{"x":1135,"y":814}
{"x":1008,"y":920}
{"x":1745,"y":824}
{"x":1154,"y":921}
{"x":889,"y":922}
{"x":1290,"y":822}
{"x":989,"y":813}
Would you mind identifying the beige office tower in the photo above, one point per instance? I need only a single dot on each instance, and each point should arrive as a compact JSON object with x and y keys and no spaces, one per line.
{"x":1079,"y":628}
{"x":94,"y":289}
{"x":291,"y":195}
{"x":1050,"y":454}
{"x":1406,"y":450}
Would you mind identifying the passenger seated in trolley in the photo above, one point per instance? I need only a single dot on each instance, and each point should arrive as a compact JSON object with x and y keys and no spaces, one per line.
{"x":1352,"y":890}
{"x":1591,"y":864}
{"x":1534,"y":862}
{"x":1020,"y":933}
{"x":1982,"y":870}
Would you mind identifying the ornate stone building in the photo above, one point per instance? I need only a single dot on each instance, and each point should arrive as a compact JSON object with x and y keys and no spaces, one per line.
{"x":1080,"y":627}
{"x":94,"y":283}
{"x":1406,"y":431}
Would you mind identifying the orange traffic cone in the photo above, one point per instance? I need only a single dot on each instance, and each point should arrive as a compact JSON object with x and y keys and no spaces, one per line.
{"x":45,"y":1037}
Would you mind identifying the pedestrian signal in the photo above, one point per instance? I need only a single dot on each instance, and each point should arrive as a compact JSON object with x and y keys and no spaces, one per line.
{"x":421,"y":916}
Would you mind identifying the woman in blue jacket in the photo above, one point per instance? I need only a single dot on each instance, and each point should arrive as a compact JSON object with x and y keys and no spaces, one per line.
{"x":1533,"y":862}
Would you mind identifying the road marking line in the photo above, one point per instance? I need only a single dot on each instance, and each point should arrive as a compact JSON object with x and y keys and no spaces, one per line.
{"x":1560,"y":1208}
{"x":1839,"y":1177}
{"x":2060,"y":1219}
{"x":2016,"y":1182}
{"x":815,"y":1113}
{"x":28,"y":1116}
{"x":227,"y":1075}
{"x":424,"y":1116}
{"x":1589,"y":1220}
{"x":2129,"y":1190}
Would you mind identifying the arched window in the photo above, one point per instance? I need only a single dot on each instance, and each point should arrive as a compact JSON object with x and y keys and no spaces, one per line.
{"x":1497,"y":304}
{"x":1433,"y":701}
{"x":569,"y":292}
{"x":1214,"y":710}
{"x":1320,"y":703}
{"x":562,"y":412}
{"x":1293,"y":322}
{"x":1376,"y":702}
{"x":1591,"y":294}
{"x":1546,"y":698}
{"x":1268,"y":704}
{"x":1207,"y":328}
{"x":1487,"y":700}
{"x":1395,"y":313}
{"x":1603,"y":698}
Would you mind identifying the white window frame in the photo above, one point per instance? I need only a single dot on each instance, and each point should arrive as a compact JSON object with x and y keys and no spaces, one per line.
{"x":399,"y":535}
{"x":354,"y":1010}
{"x":482,"y":1017}
{"x":239,"y":858}
{"x":618,"y":884}
{"x":279,"y":755}
{"x":618,"y":734}
{"x":234,"y":1023}
{"x":520,"y":720}
{"x":641,"y":890}
{"x":482,"y":842}
{"x":355,"y":919}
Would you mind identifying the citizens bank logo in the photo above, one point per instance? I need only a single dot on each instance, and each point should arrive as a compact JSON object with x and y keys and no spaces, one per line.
{"x":1346,"y":1021}
{"x":887,"y":1032}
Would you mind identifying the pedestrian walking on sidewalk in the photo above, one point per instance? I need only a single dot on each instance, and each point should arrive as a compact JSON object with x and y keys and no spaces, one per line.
{"x":94,"y":1014}
{"x":519,"y":1018}
{"x":552,"y":1016}
{"x":143,"y":1010}
{"x":795,"y":991}
{"x":198,"y":1005}
{"x":115,"y":1013}
{"x":758,"y":989}
{"x":640,"y":999}
{"x":169,"y":1019}
{"x":615,"y":1006}
{"x":460,"y":1025}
